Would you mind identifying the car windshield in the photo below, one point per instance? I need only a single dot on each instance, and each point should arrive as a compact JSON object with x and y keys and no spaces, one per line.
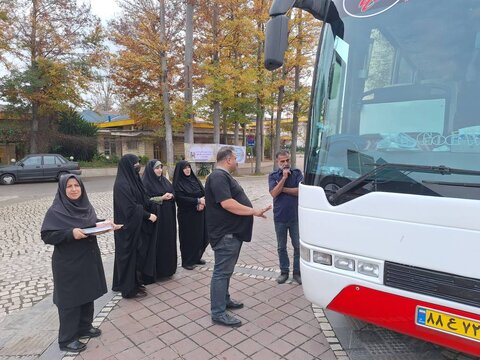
{"x":398,"y":83}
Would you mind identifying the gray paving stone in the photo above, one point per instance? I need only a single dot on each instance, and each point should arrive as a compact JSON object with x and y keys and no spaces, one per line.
{"x":28,"y":320}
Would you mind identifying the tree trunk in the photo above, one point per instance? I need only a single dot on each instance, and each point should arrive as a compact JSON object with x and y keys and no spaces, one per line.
{"x":235,"y":134}
{"x":33,"y":57}
{"x":34,"y":129}
{"x":272,"y":137}
{"x":260,"y":110}
{"x":244,"y":128}
{"x":258,"y":137}
{"x":225,"y":130}
{"x":296,"y":105}
{"x":215,"y":61}
{"x":293,"y":150}
{"x":272,"y":117}
{"x":216,"y":122}
{"x":165,"y":93}
{"x":188,"y":135}
{"x":276,"y":148}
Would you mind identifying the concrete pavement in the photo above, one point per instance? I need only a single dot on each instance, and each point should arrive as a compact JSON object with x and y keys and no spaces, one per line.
{"x":173,"y":322}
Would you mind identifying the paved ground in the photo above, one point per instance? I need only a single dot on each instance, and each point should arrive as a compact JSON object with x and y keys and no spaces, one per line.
{"x":173,"y":322}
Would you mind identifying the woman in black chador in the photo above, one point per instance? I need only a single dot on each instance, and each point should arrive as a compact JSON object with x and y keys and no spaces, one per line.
{"x":78,"y":275}
{"x":165,"y":233}
{"x":132,"y":243}
{"x":190,"y":196}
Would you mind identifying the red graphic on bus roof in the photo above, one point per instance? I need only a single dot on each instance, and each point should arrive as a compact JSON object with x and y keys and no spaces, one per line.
{"x":366,"y":4}
{"x":368,"y":8}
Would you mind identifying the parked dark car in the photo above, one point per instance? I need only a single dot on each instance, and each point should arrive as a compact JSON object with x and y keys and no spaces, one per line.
{"x":37,"y":167}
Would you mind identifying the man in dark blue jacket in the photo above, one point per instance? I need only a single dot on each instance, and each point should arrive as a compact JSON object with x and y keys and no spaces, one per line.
{"x":283,"y":186}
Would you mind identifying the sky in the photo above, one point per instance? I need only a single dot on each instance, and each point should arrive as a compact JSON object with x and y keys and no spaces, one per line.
{"x":105,"y":9}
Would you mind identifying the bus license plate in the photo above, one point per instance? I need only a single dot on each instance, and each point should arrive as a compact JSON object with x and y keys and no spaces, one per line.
{"x":448,"y":323}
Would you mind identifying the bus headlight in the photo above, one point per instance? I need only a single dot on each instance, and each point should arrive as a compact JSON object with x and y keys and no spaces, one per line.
{"x":322,"y":258}
{"x":344,"y":263}
{"x":367,"y":268}
{"x":305,"y":253}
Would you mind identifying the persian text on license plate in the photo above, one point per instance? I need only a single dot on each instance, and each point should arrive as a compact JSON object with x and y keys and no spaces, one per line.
{"x":448,"y":323}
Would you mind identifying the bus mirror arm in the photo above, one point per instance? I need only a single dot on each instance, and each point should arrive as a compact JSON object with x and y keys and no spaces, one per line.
{"x":315,"y":7}
{"x":280,"y":7}
{"x":276,"y":31}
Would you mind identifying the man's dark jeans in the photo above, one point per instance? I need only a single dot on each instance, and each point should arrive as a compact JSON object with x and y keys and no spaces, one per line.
{"x":281,"y":229}
{"x":226,"y":252}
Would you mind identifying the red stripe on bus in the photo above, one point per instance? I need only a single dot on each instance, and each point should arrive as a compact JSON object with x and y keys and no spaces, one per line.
{"x":398,"y":313}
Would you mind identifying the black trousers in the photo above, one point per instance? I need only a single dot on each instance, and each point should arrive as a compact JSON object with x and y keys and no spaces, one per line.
{"x":73,"y":321}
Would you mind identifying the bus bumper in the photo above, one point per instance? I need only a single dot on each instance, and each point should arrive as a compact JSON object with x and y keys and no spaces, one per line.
{"x":453,"y":328}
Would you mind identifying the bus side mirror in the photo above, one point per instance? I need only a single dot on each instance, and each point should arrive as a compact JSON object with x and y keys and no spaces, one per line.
{"x":276,"y":41}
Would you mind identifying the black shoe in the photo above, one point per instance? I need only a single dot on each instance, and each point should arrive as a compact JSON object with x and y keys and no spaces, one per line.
{"x":91,"y":333}
{"x":188,"y":267}
{"x":297,"y":278}
{"x":282,"y":278}
{"x":201,"y":262}
{"x":232,"y":304}
{"x":74,"y":346}
{"x":138,"y":294}
{"x":227,"y":320}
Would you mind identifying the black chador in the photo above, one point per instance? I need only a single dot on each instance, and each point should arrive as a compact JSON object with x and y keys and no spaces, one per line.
{"x":130,"y":204}
{"x":165,"y":228}
{"x":191,"y":222}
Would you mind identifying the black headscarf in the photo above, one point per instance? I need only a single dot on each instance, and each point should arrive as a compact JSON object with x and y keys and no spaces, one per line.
{"x":187,"y":184}
{"x":127,"y":177}
{"x":155,"y":185}
{"x":66,"y":213}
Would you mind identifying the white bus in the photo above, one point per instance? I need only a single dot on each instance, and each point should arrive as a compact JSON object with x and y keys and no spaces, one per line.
{"x":389,"y":210}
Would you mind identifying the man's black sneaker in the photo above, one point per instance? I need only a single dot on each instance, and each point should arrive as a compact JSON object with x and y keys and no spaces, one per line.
{"x":227,"y":320}
{"x":74,"y":346}
{"x":282,"y":278}
{"x":91,"y":333}
{"x":232,"y":304}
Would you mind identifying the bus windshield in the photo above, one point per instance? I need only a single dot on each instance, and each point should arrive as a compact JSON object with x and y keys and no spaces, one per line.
{"x":398,"y":83}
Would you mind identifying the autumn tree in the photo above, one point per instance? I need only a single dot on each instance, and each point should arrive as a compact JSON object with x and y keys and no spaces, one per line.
{"x":227,"y":70}
{"x":102,"y":93}
{"x":210,"y":78}
{"x":146,"y":71}
{"x":188,"y":71}
{"x":55,"y":48}
{"x":5,"y":30}
{"x":293,"y":90}
{"x":264,"y":85}
{"x":305,"y":30}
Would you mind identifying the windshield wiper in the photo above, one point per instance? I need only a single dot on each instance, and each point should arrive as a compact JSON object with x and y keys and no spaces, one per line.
{"x":371,"y":175}
{"x":448,"y":183}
